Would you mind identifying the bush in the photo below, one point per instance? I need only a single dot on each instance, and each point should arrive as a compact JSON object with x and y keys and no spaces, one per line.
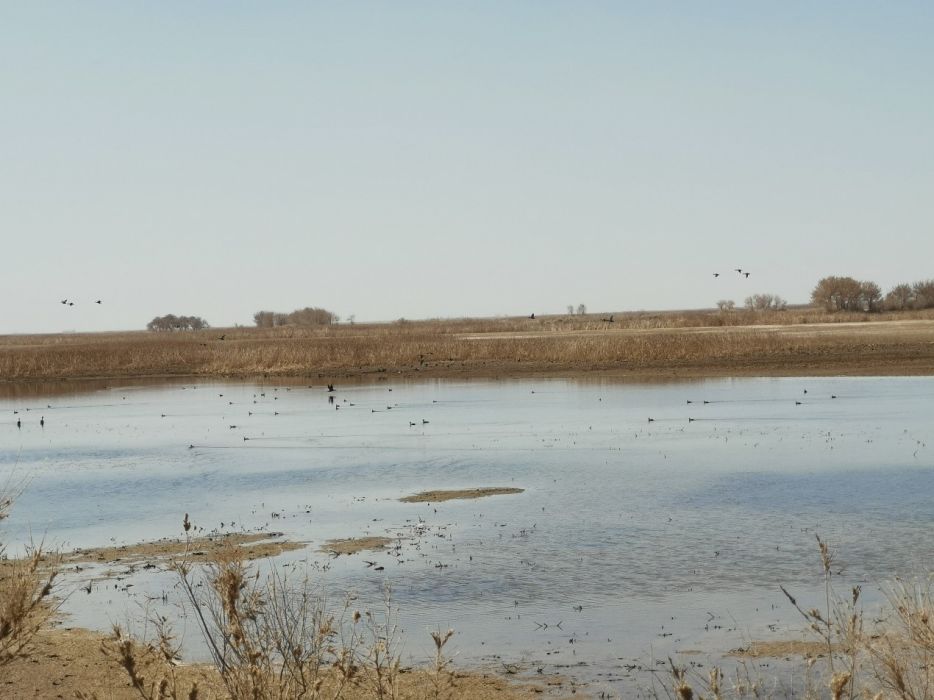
{"x":171,"y":322}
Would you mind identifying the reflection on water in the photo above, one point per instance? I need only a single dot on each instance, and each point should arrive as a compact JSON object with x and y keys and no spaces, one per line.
{"x":641,"y":537}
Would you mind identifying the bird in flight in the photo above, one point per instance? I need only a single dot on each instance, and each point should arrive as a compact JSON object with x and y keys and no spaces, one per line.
{"x":739,"y":270}
{"x":716,"y":274}
{"x":64,"y":301}
{"x":98,"y":301}
{"x":747,"y":275}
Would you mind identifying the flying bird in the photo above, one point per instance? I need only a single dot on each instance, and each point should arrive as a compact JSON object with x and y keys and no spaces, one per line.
{"x":747,"y":275}
{"x":64,"y":301}
{"x":98,"y":301}
{"x":739,"y":271}
{"x":716,"y":274}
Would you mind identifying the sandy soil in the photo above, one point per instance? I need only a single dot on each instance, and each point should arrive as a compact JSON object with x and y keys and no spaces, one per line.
{"x":63,"y":661}
{"x":436,"y":496}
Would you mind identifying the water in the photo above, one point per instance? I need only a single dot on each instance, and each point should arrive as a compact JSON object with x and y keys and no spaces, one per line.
{"x":641,"y":538}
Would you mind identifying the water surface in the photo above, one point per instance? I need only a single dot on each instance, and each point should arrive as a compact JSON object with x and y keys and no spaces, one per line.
{"x":641,"y":537}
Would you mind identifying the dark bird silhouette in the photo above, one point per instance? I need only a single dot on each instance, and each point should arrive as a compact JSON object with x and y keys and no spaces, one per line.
{"x":98,"y":301}
{"x":739,"y":270}
{"x":716,"y":274}
{"x":42,"y":422}
{"x":330,"y":387}
{"x":19,"y":423}
{"x":221,"y":338}
{"x":747,"y":275}
{"x":64,"y":301}
{"x":532,"y":317}
{"x":71,"y":303}
{"x":424,"y":422}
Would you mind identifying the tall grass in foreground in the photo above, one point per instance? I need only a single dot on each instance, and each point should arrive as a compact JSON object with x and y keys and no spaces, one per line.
{"x":272,"y":639}
{"x":26,"y":586}
{"x":893,"y":659}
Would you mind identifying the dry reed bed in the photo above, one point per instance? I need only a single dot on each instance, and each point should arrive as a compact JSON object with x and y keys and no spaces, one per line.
{"x":483,"y":347}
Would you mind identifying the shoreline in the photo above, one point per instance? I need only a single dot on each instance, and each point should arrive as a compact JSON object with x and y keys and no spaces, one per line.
{"x":433,"y":351}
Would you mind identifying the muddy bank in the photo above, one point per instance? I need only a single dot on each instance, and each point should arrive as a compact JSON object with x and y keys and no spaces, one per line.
{"x":250,"y":545}
{"x":64,"y":661}
{"x":457,"y":494}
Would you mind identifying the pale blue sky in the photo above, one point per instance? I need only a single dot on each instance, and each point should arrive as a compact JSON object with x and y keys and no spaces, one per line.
{"x":440,"y":159}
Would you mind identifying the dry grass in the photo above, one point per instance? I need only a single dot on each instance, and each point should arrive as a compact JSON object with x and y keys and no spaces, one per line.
{"x":894,"y":658}
{"x":269,"y":639}
{"x":702,"y":342}
{"x":26,"y":603}
{"x":273,"y":639}
{"x":69,"y":660}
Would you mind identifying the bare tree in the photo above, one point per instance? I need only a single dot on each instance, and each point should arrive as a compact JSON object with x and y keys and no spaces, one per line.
{"x":726,"y":305}
{"x":570,"y":309}
{"x":870,"y":296}
{"x":900,"y":297}
{"x":264,"y":319}
{"x":846,"y":294}
{"x":581,"y":309}
{"x":923,"y":294}
{"x":309,"y":316}
{"x":765,"y":302}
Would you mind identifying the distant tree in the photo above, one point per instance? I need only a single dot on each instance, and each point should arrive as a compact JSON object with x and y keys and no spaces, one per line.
{"x":570,"y":309}
{"x":352,"y":319}
{"x":726,"y":304}
{"x":923,"y":292}
{"x":846,"y":294}
{"x":264,"y":319}
{"x":309,"y":316}
{"x":171,"y":322}
{"x":581,"y":309}
{"x":765,"y":302}
{"x":900,"y":297}
{"x":870,"y":296}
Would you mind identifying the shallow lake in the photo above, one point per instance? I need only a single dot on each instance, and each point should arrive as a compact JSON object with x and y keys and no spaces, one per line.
{"x":634,"y":538}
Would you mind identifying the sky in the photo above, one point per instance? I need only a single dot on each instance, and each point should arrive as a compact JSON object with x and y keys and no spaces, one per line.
{"x":439,"y":159}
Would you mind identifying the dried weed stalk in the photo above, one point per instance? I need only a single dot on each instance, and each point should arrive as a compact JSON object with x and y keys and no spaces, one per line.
{"x":26,"y":586}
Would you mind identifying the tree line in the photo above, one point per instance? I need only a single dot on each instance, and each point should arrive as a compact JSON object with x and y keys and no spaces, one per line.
{"x":171,"y":322}
{"x":848,"y":294}
{"x":309,"y":316}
